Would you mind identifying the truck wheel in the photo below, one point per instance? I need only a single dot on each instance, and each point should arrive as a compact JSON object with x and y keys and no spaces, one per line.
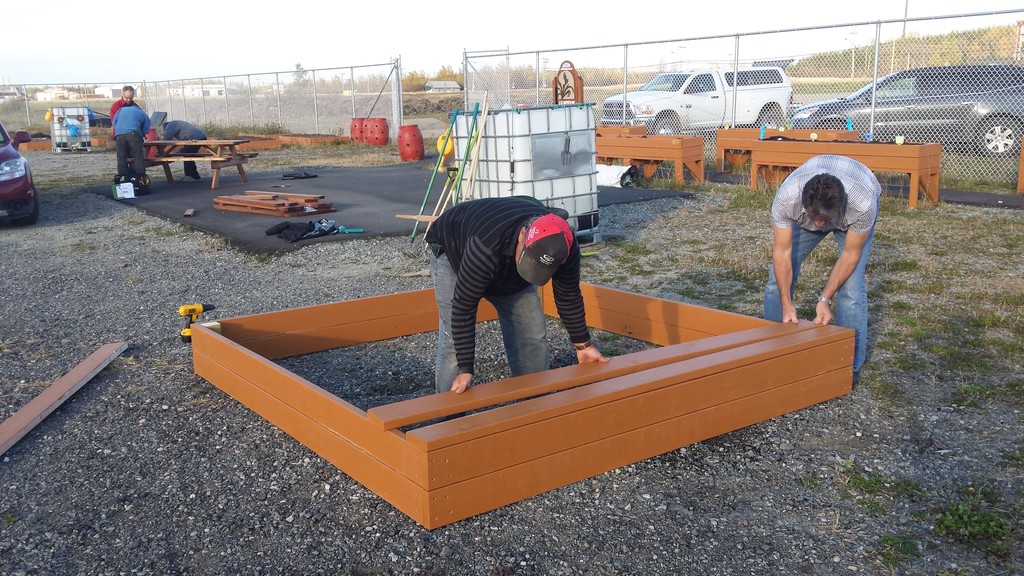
{"x":771,"y":117}
{"x":1000,"y":136}
{"x":666,"y":125}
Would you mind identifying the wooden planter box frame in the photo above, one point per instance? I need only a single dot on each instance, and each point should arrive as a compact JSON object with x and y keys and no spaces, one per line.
{"x":921,"y":161}
{"x":715,"y":372}
{"x":735,"y":139}
{"x":648,"y":152}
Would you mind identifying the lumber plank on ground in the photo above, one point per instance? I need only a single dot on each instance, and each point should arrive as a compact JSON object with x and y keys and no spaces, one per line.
{"x":25,"y":419}
{"x":257,"y":202}
{"x":306,"y":198}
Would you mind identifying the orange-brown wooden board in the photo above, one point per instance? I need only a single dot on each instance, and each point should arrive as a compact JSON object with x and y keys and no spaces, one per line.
{"x":397,"y":465}
{"x":484,"y":493}
{"x":735,"y":139}
{"x":651,"y":319}
{"x":29,"y":416}
{"x":329,"y":326}
{"x":360,"y":463}
{"x":415,"y":410}
{"x":588,"y":414}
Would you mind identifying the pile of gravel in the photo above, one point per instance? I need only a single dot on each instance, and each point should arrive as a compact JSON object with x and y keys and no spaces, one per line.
{"x":148,"y":469}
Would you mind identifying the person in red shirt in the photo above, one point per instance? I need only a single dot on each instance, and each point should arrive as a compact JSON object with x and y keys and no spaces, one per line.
{"x":127,"y":99}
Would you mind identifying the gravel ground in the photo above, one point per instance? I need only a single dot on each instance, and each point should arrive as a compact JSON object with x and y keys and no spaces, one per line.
{"x":148,"y":469}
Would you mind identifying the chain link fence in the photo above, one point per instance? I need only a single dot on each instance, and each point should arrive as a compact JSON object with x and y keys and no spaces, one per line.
{"x":956,"y":80}
{"x":321,"y":101}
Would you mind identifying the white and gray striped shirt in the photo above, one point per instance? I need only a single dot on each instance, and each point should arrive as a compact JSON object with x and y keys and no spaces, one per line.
{"x":862,"y":192}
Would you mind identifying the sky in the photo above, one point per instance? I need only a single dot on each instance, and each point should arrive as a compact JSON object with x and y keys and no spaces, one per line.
{"x":103,"y":41}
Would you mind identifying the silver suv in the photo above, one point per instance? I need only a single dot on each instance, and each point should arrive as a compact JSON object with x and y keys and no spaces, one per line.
{"x":980,"y":107}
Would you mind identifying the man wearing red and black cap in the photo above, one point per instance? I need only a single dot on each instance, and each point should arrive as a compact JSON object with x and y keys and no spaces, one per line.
{"x":501,"y":249}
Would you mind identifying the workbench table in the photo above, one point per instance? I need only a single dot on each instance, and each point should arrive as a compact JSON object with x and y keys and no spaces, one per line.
{"x":219,"y":153}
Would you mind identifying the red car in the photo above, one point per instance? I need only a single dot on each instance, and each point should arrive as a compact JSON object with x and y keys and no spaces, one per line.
{"x":19,"y":202}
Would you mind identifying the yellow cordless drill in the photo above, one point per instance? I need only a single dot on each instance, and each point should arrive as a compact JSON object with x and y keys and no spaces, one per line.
{"x":191,"y":313}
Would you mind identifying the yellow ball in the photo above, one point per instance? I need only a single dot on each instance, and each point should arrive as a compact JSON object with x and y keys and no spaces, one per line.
{"x":48,"y":116}
{"x":445,"y":149}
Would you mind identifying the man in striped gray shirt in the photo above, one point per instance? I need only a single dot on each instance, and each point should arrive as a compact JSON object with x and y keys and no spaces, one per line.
{"x":828,"y":194}
{"x":501,"y":249}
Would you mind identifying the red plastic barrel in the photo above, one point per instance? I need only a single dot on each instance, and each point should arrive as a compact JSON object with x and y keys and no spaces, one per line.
{"x":356,"y":130}
{"x":410,"y":143}
{"x":375,"y":130}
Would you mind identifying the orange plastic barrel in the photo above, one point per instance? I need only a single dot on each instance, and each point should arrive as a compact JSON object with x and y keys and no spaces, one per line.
{"x":151,"y":153}
{"x":410,"y":143}
{"x":375,"y":130}
{"x":356,"y":129}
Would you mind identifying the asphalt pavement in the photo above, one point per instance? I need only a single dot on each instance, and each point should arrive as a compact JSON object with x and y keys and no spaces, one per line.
{"x":370,"y":197}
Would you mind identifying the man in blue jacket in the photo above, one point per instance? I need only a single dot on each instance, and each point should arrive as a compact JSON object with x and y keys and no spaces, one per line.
{"x":131,"y":124}
{"x":181,"y":130}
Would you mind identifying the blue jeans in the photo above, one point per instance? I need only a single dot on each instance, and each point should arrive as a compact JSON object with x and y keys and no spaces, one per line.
{"x":852,"y":298}
{"x":520,"y":315}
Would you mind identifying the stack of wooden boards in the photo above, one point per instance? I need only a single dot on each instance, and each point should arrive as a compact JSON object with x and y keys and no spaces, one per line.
{"x":273,"y":203}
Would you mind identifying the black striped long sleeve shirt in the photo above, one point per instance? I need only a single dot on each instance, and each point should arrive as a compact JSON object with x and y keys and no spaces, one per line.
{"x":479,"y":237}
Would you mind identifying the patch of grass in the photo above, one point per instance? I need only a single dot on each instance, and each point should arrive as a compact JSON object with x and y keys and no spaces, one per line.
{"x":636,"y":249}
{"x":263,"y":257}
{"x":810,"y":481}
{"x":971,"y":396}
{"x":961,"y":357}
{"x":879,"y":485}
{"x":745,"y":198}
{"x":1015,"y":458}
{"x":894,"y":549}
{"x":83,"y":247}
{"x":9,"y":517}
{"x":908,"y":321}
{"x":903,"y":266}
{"x":976,"y":522}
{"x":892,"y":286}
{"x":874,"y":507}
{"x":899,"y":306}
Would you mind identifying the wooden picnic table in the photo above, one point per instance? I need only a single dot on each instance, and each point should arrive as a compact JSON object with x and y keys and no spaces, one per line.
{"x":219,"y":153}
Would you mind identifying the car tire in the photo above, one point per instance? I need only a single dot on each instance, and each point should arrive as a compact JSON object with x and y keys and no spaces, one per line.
{"x":33,"y":217}
{"x":1000,"y":136}
{"x":666,"y":125}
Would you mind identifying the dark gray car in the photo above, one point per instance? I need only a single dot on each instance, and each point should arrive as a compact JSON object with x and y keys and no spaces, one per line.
{"x":978,"y":107}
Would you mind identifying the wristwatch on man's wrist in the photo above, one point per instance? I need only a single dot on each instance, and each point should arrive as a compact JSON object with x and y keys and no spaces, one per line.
{"x":825,"y":300}
{"x":582,"y":345}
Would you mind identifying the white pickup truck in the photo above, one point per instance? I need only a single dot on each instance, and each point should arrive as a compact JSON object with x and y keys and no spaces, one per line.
{"x":680,"y":102}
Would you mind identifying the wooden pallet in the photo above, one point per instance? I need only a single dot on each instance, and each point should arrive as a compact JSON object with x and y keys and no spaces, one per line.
{"x":273,"y":203}
{"x":715,"y":372}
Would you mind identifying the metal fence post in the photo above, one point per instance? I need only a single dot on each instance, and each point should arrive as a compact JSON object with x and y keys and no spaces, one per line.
{"x":277,"y":82}
{"x":28,"y":112}
{"x":536,"y":66}
{"x":735,"y":77}
{"x":184,"y":106}
{"x":227,"y":112}
{"x":625,"y":79}
{"x":252,"y":117}
{"x":316,"y":111}
{"x":202,"y":94}
{"x":397,"y":115}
